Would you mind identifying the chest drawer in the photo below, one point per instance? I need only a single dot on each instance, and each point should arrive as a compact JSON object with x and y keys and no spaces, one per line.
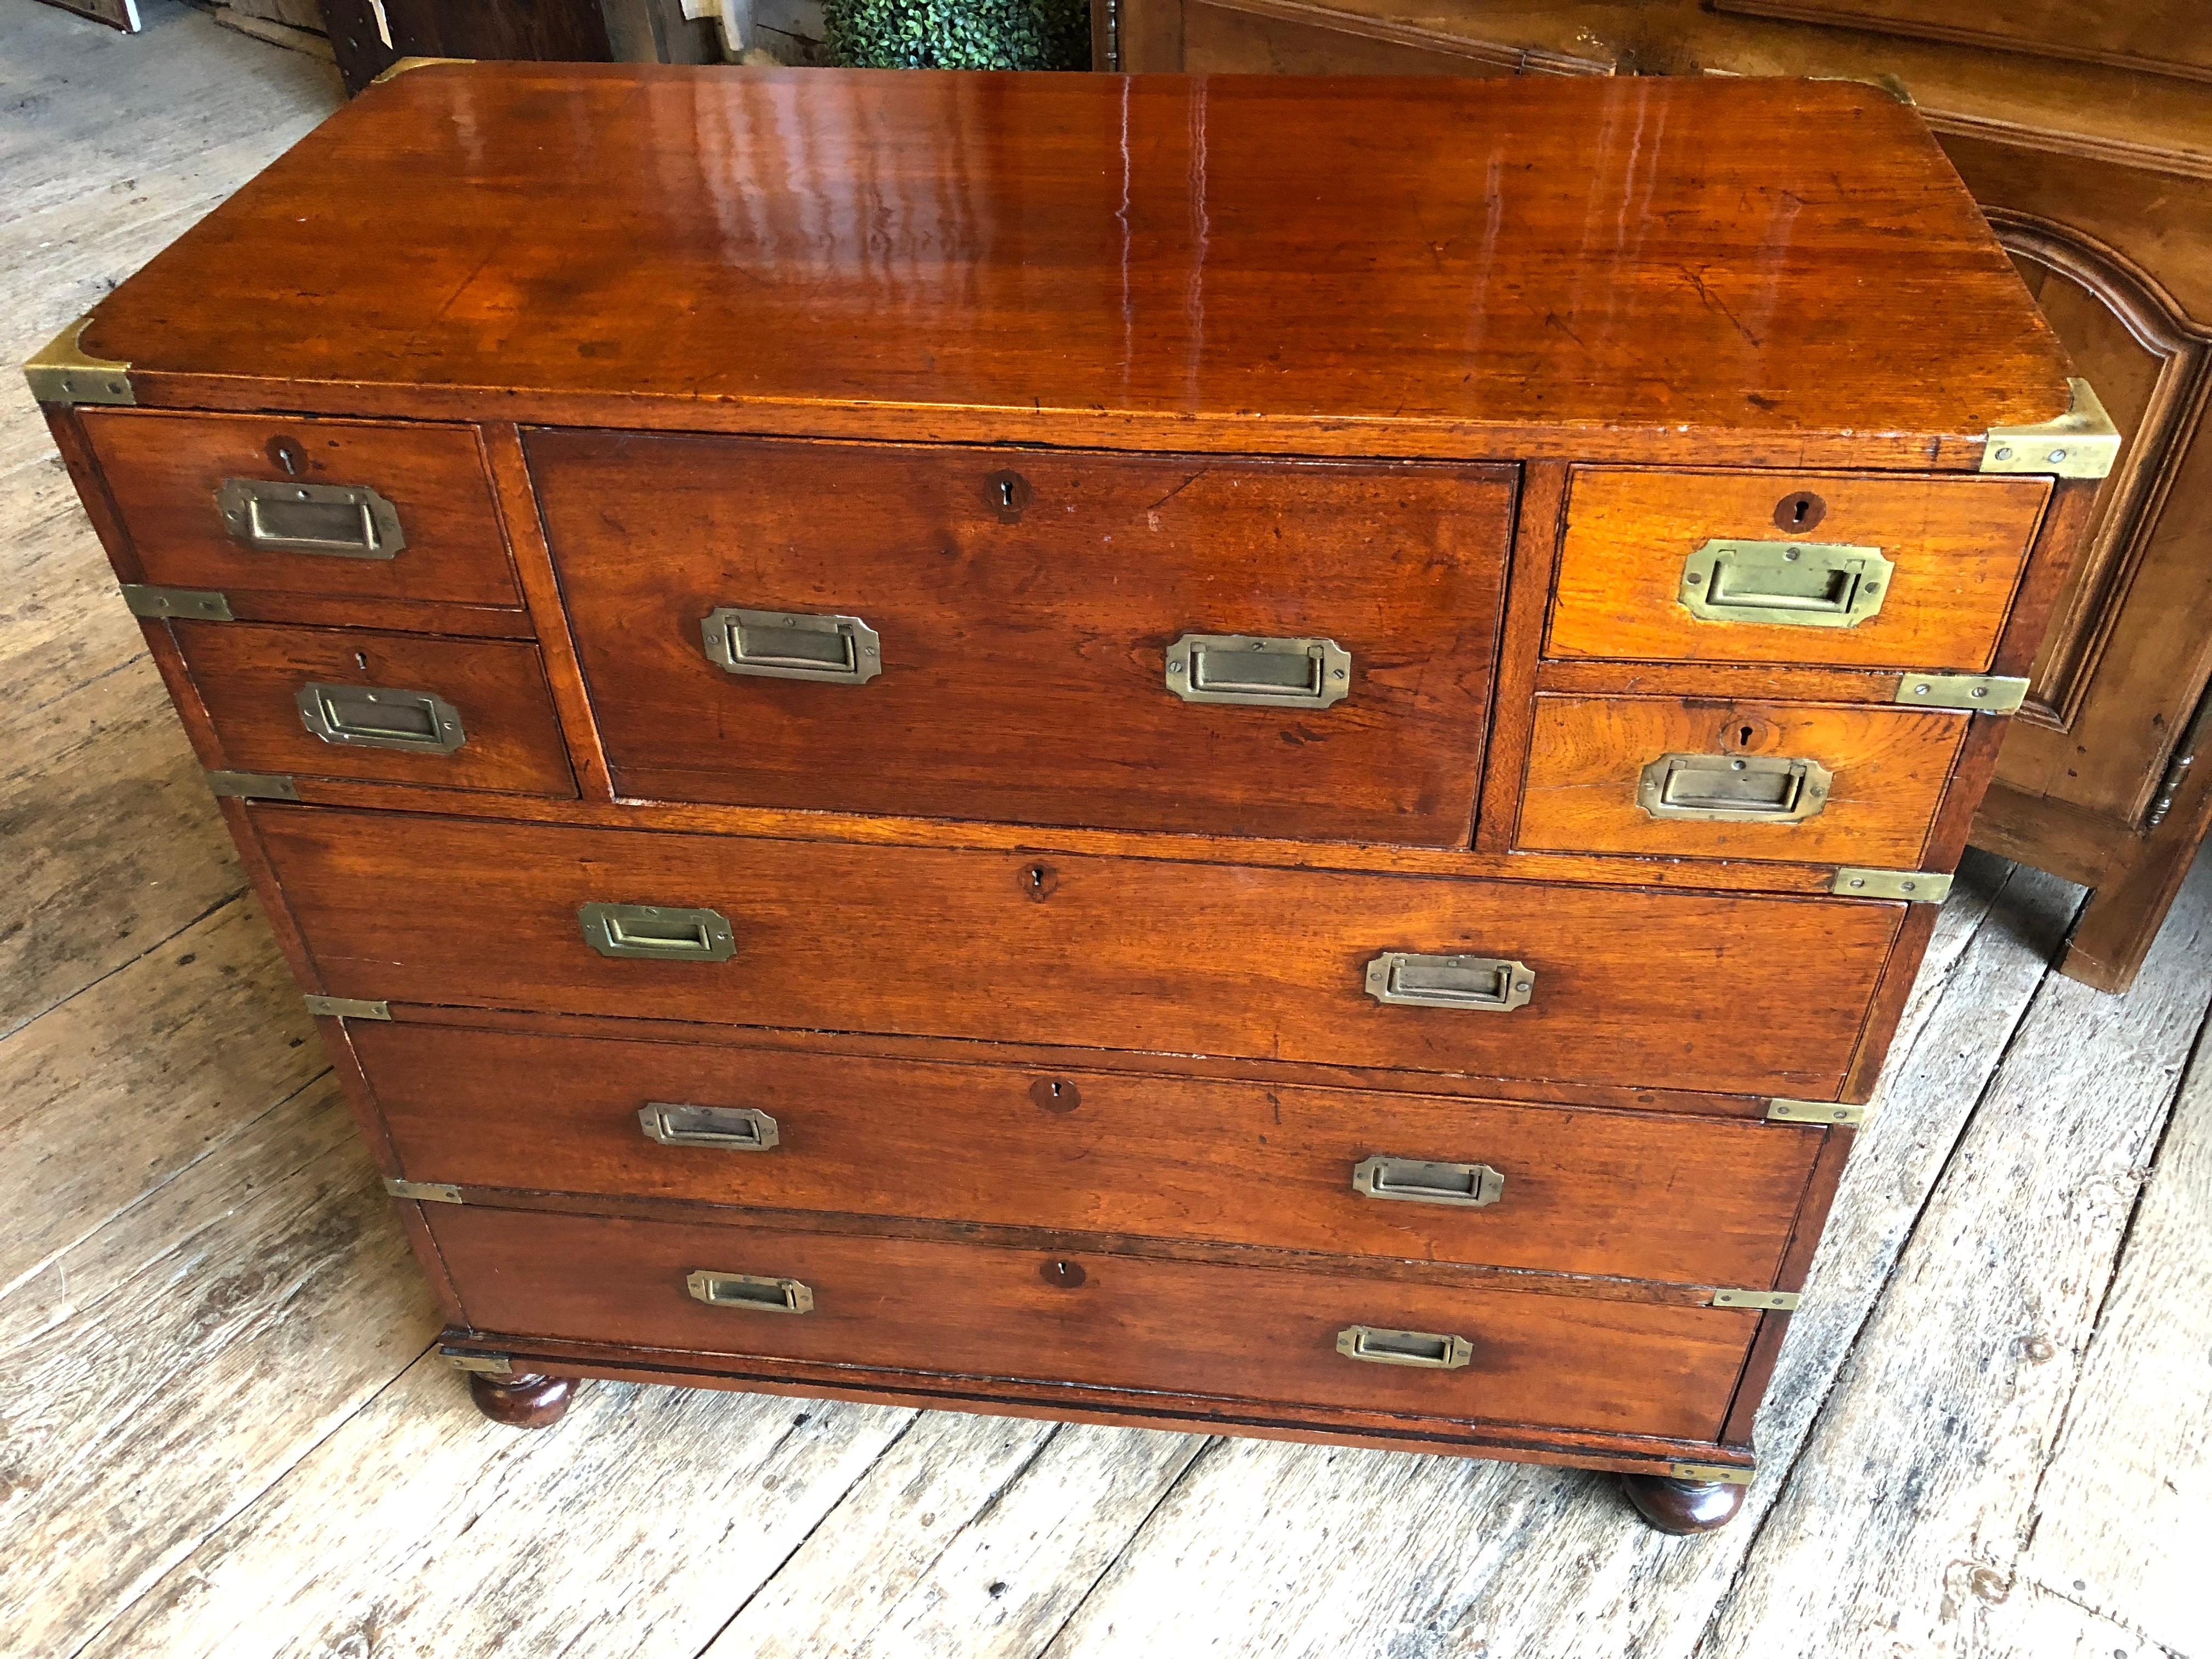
{"x":1696,"y":778}
{"x":1722,"y":993}
{"x":383,"y":707}
{"x":1185,"y":643}
{"x":1332,"y":1171}
{"x":384,"y":513}
{"x":1097,"y":1320}
{"x":1858,"y":571}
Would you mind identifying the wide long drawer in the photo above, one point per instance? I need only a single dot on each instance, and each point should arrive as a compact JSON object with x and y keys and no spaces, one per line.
{"x":1104,"y":1321}
{"x":1726,"y":992}
{"x":1630,"y":1195}
{"x":1210,"y":644}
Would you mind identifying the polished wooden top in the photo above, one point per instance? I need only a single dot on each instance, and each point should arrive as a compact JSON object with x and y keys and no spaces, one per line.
{"x":1689,"y":269}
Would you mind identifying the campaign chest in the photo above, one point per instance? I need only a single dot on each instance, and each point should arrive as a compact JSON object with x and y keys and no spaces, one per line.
{"x":951,"y":739}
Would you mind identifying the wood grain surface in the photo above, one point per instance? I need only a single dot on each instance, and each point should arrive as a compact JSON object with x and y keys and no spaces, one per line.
{"x":1093,"y":952}
{"x":1101,"y":1320}
{"x":1636,"y":1196}
{"x":1100,"y":255}
{"x":1958,"y":545}
{"x":1024,"y":649}
{"x":1888,"y":767}
{"x":248,"y":674}
{"x":165,"y":469}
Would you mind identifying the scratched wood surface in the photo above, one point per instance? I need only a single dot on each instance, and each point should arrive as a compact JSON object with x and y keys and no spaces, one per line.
{"x":221,"y":1431}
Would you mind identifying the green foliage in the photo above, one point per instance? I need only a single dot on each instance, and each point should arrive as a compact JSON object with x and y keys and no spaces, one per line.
{"x":972,"y":34}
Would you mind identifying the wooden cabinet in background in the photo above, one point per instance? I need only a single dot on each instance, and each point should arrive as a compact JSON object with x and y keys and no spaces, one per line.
{"x":2085,"y":131}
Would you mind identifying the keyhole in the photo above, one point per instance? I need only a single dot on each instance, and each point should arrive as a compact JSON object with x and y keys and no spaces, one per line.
{"x":286,"y":453}
{"x":1062,"y":1275}
{"x":1050,"y":1094}
{"x":1008,"y":495}
{"x":361,"y":658}
{"x":1799,"y":512}
{"x":1039,"y":881}
{"x":1743,"y":738}
{"x":1005,"y":492}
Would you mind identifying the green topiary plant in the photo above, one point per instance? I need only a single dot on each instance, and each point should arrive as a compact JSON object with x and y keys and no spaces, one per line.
{"x":973,"y":34}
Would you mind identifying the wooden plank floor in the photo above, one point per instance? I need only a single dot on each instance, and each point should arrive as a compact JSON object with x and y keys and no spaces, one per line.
{"x":221,"y":1432}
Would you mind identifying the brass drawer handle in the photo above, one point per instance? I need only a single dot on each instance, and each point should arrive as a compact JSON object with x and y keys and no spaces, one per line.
{"x":376,"y":717}
{"x":1405,"y":980}
{"x":745,"y":1290}
{"x":1274,"y":673}
{"x":1430,"y":1349}
{"x":782,"y":645}
{"x":1471,"y":1186}
{"x":1796,"y":584}
{"x":726,"y":1128}
{"x":1734,"y":788}
{"x":337,"y":521}
{"x":656,"y":932}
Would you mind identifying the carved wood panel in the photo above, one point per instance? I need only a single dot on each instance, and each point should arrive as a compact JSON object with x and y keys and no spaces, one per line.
{"x":2109,"y":717}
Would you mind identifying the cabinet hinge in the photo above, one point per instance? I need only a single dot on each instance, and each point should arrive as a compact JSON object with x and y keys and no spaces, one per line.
{"x":192,"y":603}
{"x":60,"y":373}
{"x":1814,"y":1111}
{"x":423,"y":1192}
{"x":491,"y":1364}
{"x":2082,"y":443}
{"x":252,"y":785}
{"x":1914,"y":886}
{"x":1730,"y":1472}
{"x":1981,"y":694}
{"x":1771,"y":1301}
{"x":348,"y":1008}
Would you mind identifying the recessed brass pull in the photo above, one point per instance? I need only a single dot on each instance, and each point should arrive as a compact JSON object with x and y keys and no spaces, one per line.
{"x":782,"y":645}
{"x":1430,"y":1349}
{"x":1471,"y":1186}
{"x":747,"y":1291}
{"x":657,"y":932}
{"x":376,"y":717}
{"x":1404,"y":978}
{"x":1734,"y":788}
{"x":726,"y":1128}
{"x":1794,"y":584}
{"x":338,"y":521}
{"x":1241,"y":668}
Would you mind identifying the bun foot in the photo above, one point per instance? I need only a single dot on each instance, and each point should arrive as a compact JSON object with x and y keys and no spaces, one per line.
{"x":1683,"y":1507}
{"x":526,"y":1401}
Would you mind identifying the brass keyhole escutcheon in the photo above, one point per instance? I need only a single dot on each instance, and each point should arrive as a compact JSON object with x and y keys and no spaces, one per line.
{"x":1039,"y":882}
{"x":286,"y":452}
{"x":1008,"y":495}
{"x":1053,"y":1094}
{"x":1062,"y":1275}
{"x":1796,"y":513}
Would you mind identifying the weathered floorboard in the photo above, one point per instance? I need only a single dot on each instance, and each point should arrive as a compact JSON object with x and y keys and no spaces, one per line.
{"x":2124,"y":1514}
{"x":156,"y":1377}
{"x":113,"y":1093}
{"x":975,"y":1536}
{"x":1913,"y":1499}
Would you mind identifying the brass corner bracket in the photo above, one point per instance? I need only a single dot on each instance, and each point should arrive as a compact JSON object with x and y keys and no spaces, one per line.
{"x":60,"y":373}
{"x":401,"y":66}
{"x":2082,"y":443}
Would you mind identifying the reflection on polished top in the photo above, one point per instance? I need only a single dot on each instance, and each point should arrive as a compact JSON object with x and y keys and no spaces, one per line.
{"x":1418,"y":266}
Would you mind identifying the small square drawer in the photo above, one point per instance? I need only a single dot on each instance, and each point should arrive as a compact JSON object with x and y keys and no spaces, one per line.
{"x":344,"y":702}
{"x":1211,"y":645}
{"x":1689,"y":778}
{"x":1854,"y":570}
{"x":1345,"y":1338}
{"x":333,"y":509}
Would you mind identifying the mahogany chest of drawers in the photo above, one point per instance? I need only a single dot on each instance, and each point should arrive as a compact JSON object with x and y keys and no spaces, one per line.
{"x":953,"y":739}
